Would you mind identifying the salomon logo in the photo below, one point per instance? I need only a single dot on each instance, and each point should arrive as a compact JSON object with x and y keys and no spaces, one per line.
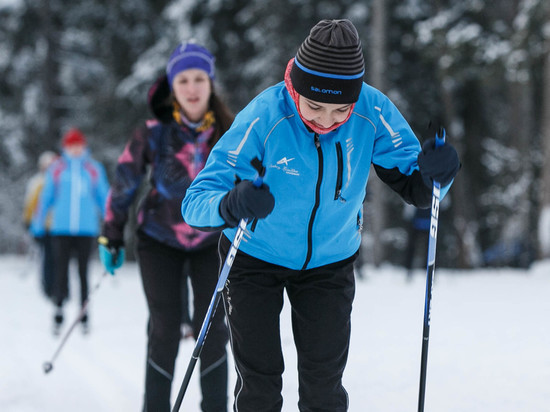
{"x":325,"y":91}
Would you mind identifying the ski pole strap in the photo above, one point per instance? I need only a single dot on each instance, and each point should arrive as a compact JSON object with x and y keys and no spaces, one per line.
{"x":257,"y":164}
{"x":440,"y":137}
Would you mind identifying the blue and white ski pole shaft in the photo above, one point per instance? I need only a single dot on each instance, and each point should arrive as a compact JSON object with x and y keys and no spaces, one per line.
{"x":217,"y":294}
{"x":436,"y":192}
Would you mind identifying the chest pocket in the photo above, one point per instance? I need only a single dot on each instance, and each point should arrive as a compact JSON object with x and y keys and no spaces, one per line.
{"x":340,"y":175}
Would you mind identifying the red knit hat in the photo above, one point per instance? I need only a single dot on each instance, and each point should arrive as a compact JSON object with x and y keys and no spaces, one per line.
{"x":73,"y":136}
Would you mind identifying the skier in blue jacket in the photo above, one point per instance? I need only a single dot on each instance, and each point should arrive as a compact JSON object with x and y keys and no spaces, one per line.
{"x":317,"y":134}
{"x":75,"y":191}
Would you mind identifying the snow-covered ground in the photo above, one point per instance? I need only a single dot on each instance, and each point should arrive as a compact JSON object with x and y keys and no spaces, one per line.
{"x":489,"y":344}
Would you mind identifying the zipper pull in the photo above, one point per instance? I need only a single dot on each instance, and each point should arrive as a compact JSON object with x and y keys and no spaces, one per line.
{"x":317,"y":142}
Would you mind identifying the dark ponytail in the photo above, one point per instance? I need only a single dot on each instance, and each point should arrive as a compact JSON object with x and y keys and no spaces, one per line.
{"x":224,"y":117}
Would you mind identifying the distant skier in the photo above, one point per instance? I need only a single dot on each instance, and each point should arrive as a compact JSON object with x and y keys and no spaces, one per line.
{"x":317,"y":134}
{"x":74,"y":193}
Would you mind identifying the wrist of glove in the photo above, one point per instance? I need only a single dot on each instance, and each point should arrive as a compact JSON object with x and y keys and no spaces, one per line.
{"x":246,"y":201}
{"x":111,"y":253}
{"x":438,"y":164}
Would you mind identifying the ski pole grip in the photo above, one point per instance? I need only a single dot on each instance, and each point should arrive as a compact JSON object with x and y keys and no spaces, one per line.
{"x":440,"y":137}
{"x":257,"y":164}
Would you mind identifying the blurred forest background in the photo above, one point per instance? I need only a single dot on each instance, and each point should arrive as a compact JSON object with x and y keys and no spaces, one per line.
{"x":480,"y":68}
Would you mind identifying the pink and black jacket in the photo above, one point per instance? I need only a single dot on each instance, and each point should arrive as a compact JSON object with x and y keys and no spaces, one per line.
{"x":171,"y":155}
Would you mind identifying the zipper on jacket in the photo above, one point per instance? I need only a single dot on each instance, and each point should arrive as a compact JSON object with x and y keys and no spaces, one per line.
{"x":76,"y":189}
{"x":316,"y":205}
{"x":339,"y":176}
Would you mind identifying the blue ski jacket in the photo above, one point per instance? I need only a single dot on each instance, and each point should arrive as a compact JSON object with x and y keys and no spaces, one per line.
{"x":75,"y":191}
{"x":318,"y":181}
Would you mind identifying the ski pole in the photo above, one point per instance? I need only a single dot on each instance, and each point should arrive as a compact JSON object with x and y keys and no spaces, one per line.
{"x":436,"y":192}
{"x":48,"y":366}
{"x":217,"y":294}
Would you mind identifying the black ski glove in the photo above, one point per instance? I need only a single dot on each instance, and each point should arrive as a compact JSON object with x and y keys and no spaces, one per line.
{"x":438,"y":164}
{"x":246,"y":201}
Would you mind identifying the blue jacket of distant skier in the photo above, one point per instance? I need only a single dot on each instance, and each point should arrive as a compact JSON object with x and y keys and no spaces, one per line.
{"x":318,"y":181}
{"x":75,"y":191}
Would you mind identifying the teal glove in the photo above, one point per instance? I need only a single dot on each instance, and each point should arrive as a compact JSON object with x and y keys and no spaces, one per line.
{"x":111,"y":253}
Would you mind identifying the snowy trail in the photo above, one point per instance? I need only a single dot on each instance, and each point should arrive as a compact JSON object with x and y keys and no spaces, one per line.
{"x":489,"y":344}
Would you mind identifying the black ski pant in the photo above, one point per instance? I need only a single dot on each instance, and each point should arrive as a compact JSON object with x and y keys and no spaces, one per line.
{"x":321,"y":300}
{"x":162,"y":272}
{"x":65,"y":247}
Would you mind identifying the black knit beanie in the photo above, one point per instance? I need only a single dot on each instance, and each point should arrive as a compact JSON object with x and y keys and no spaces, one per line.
{"x":329,"y":65}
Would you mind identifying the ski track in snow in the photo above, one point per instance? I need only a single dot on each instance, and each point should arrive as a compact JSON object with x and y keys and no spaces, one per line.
{"x":489,"y":347}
